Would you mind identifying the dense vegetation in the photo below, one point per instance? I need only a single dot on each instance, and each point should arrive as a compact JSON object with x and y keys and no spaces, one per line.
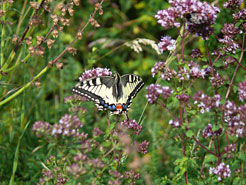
{"x":187,"y":125}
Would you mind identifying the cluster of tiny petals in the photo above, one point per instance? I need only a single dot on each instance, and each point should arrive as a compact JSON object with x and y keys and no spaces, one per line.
{"x":240,"y":15}
{"x":95,"y":73}
{"x":183,"y":74}
{"x":167,"y":43}
{"x":232,"y":3}
{"x":205,"y":103}
{"x":174,"y":123}
{"x":204,"y":15}
{"x":155,"y":90}
{"x":236,"y":127}
{"x":222,"y":170}
{"x":196,"y":53}
{"x":68,"y":126}
{"x":131,"y":175}
{"x":97,"y":132}
{"x":229,"y":45}
{"x":132,"y":124}
{"x":40,"y":127}
{"x":216,"y":81}
{"x":183,"y":98}
{"x":196,"y":72}
{"x":157,"y":67}
{"x":208,"y":132}
{"x":76,"y":170}
{"x":242,"y":112}
{"x":230,"y":30}
{"x":242,"y":90}
{"x":168,"y":74}
{"x":230,"y":149}
{"x":143,"y":147}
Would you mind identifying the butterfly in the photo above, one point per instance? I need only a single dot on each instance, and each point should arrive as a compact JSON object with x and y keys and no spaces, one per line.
{"x":114,"y":93}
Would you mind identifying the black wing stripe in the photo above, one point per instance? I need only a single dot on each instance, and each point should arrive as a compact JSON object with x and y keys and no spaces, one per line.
{"x":91,"y":96}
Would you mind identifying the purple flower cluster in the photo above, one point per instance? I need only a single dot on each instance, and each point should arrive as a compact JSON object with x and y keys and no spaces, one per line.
{"x":132,"y":124}
{"x":167,"y":43}
{"x":76,"y":170}
{"x":196,"y":72}
{"x":168,"y":74}
{"x":159,"y":66}
{"x":222,"y":170}
{"x":205,"y":13}
{"x":40,"y":128}
{"x":196,"y":53}
{"x":236,"y":126}
{"x":143,"y":147}
{"x":132,"y":175}
{"x":230,"y":149}
{"x":240,"y":15}
{"x":217,"y":81}
{"x":229,"y":45}
{"x":155,"y":90}
{"x":97,"y":132}
{"x":183,"y":98}
{"x":96,"y":163}
{"x":232,"y":3}
{"x":205,"y":103}
{"x":95,"y":73}
{"x":230,"y":30}
{"x":68,"y":126}
{"x":242,"y":90}
{"x":174,"y":123}
{"x":208,"y":132}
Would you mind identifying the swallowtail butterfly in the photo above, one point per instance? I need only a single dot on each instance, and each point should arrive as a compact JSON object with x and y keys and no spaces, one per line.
{"x":114,"y":93}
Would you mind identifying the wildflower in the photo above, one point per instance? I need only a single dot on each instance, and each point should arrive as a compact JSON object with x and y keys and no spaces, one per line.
{"x":242,"y":90}
{"x":132,"y":124}
{"x":96,"y":163}
{"x":76,"y":170}
{"x":222,"y":170}
{"x":95,"y":73}
{"x":157,"y":67}
{"x":174,"y":123}
{"x":217,"y":81}
{"x":196,"y":53}
{"x":229,"y":45}
{"x":229,"y":149}
{"x":155,"y":90}
{"x":132,"y":175}
{"x":41,"y":128}
{"x":168,"y":74}
{"x":240,"y":15}
{"x":80,"y":157}
{"x":183,"y":74}
{"x":166,"y":43}
{"x":183,"y":98}
{"x":230,"y":30}
{"x":143,"y":147}
{"x":97,"y":132}
{"x":232,"y":3}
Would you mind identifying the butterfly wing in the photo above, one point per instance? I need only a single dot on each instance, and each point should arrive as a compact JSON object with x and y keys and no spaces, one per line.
{"x":131,"y":84}
{"x":98,"y":90}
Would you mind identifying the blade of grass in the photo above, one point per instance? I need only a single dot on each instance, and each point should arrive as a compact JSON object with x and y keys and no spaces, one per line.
{"x":15,"y":164}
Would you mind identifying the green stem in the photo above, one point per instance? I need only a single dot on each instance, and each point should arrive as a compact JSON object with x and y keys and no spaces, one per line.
{"x":3,"y":32}
{"x":24,"y":87}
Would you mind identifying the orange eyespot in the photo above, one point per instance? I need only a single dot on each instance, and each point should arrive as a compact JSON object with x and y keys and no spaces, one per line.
{"x":118,"y":107}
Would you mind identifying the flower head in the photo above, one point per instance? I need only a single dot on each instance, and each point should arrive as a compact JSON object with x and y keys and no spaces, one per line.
{"x":167,"y":43}
{"x":95,"y":73}
{"x":222,"y":170}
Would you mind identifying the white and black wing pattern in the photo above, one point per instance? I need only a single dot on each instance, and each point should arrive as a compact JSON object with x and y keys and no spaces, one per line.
{"x":111,"y":93}
{"x":132,"y":84}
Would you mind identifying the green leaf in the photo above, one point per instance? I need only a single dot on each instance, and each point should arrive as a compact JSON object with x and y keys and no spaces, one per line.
{"x":242,"y":156}
{"x":210,"y":158}
{"x":189,"y":133}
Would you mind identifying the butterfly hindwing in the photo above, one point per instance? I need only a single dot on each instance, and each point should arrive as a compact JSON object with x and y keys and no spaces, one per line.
{"x":132,"y":85}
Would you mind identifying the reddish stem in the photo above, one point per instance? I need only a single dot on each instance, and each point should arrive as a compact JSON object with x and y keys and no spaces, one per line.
{"x":209,"y":151}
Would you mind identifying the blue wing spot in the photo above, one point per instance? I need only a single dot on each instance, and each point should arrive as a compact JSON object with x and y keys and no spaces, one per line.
{"x":102,"y":102}
{"x":123,"y":107}
{"x":105,"y":105}
{"x":109,"y":107}
{"x":113,"y":107}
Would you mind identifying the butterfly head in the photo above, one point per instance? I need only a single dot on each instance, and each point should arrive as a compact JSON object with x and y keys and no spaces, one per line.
{"x":116,"y":75}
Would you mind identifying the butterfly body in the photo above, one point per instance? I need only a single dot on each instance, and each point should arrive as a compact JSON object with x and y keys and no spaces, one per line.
{"x":114,"y":93}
